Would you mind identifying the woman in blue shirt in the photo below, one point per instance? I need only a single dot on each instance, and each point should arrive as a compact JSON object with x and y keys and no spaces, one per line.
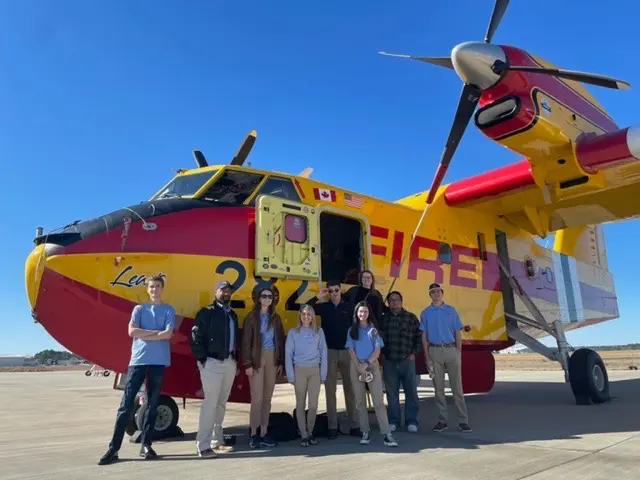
{"x":306,"y":364}
{"x":364,"y":344}
{"x":263,"y":361}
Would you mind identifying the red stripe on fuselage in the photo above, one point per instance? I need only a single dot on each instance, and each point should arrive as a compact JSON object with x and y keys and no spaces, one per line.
{"x":522,"y":84}
{"x":220,"y":232}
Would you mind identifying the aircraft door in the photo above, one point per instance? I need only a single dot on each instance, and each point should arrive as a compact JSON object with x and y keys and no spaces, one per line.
{"x":287,"y":239}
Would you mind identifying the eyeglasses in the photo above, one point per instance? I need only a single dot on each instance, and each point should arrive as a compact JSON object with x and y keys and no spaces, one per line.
{"x":266,"y":296}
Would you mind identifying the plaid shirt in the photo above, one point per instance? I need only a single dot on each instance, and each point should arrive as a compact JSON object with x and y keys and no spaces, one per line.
{"x":401,"y":334}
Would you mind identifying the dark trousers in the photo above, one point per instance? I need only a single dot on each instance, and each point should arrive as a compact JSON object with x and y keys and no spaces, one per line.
{"x":396,"y":373}
{"x":136,"y":375}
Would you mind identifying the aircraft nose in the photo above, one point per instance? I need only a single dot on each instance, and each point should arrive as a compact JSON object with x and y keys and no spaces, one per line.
{"x":34,"y":267}
{"x":473,"y":60}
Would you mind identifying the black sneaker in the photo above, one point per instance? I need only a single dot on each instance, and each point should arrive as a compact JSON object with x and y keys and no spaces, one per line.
{"x":333,"y":434}
{"x":389,"y":441}
{"x":267,"y":441}
{"x":148,"y":453}
{"x":254,"y":441}
{"x":107,"y":458}
{"x":465,"y":428}
{"x":440,"y":426}
{"x":312,"y":440}
{"x":355,"y":432}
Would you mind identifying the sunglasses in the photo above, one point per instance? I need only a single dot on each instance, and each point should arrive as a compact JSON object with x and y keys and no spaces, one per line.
{"x":266,"y":296}
{"x":334,"y":290}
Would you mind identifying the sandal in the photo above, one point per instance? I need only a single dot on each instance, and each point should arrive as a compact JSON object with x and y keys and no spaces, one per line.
{"x":304,"y":442}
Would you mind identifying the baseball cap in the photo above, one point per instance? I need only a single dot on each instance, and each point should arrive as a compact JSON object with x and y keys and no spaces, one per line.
{"x":224,"y":284}
{"x":434,"y":286}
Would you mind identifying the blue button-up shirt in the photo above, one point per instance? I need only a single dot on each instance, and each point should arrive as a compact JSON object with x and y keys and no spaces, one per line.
{"x":440,"y":323}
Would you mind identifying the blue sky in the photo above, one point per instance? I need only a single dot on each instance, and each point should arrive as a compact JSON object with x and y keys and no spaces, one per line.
{"x":100,"y":101}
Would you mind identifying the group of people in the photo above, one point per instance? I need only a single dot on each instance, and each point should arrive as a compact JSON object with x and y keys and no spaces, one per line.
{"x":372,"y":345}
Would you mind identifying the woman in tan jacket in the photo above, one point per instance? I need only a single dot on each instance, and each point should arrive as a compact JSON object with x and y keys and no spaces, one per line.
{"x":263,"y":361}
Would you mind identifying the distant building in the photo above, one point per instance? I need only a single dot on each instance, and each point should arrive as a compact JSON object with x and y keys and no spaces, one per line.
{"x":12,"y":360}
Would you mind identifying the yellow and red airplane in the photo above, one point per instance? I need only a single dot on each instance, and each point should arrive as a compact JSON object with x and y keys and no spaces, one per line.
{"x":478,"y":237}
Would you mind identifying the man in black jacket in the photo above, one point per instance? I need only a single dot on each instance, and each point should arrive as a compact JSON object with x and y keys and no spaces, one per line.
{"x":213,"y":342}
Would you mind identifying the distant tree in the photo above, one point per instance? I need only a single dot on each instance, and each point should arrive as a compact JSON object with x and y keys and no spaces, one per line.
{"x":53,"y":355}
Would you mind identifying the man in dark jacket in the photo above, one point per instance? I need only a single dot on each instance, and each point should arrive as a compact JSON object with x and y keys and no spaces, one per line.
{"x":213,"y":343}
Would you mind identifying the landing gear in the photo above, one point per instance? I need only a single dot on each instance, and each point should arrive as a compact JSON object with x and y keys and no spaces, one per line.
{"x":583,"y":369}
{"x":167,"y":418}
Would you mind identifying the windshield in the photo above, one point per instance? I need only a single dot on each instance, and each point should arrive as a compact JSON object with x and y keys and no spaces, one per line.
{"x":233,"y":187}
{"x":185,"y":185}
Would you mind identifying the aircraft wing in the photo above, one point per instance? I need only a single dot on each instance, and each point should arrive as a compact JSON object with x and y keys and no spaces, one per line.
{"x":597,"y":183}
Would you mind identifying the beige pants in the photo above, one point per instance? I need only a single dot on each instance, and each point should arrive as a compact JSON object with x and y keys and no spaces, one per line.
{"x":447,"y":359}
{"x":307,"y":381}
{"x":339,"y":360}
{"x":375,"y":388}
{"x":217,"y":379}
{"x":262,"y":383}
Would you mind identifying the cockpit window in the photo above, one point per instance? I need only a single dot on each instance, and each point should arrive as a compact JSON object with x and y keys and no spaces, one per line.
{"x":233,"y":187}
{"x":279,"y":187}
{"x":185,"y":185}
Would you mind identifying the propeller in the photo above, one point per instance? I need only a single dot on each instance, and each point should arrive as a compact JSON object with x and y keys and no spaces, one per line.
{"x":306,"y":173}
{"x":481,"y":65}
{"x":499,"y":67}
{"x":238,"y":159}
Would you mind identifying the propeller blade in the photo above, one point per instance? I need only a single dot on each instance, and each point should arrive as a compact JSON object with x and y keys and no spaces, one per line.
{"x":306,"y":173}
{"x":499,"y":10}
{"x":243,"y":152}
{"x":198,"y":156}
{"x":590,"y":78}
{"x":440,"y":61}
{"x":466,"y":106}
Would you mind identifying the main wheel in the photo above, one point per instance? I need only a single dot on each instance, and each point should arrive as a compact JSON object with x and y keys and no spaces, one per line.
{"x":106,"y":373}
{"x":167,"y":416}
{"x":588,"y":377}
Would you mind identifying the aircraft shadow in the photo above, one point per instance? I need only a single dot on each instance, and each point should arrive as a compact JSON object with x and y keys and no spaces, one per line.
{"x":513,"y":412}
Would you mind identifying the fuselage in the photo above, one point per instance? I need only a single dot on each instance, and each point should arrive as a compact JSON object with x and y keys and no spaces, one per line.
{"x":201,"y":228}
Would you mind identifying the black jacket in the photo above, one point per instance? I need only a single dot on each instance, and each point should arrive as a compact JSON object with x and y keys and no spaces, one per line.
{"x":210,"y":333}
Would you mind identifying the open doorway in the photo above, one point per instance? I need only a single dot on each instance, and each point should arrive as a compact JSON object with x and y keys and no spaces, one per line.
{"x":341,"y":247}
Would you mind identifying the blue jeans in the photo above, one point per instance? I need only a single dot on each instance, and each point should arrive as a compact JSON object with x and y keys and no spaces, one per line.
{"x":135,"y":378}
{"x":396,"y":373}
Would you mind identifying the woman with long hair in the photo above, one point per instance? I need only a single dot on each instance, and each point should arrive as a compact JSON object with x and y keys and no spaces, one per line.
{"x":364,"y":344}
{"x":262,"y":360}
{"x":366,"y":291}
{"x":306,"y":366}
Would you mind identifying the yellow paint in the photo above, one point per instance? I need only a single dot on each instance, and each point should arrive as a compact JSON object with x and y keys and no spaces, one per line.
{"x":34,"y":268}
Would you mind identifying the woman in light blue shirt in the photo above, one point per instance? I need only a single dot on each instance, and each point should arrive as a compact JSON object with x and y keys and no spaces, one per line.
{"x":364,"y":344}
{"x":306,"y":367}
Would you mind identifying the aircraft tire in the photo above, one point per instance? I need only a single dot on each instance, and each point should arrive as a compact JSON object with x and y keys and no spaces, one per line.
{"x":588,"y":377}
{"x":167,"y":417}
{"x":106,"y":373}
{"x":88,"y":373}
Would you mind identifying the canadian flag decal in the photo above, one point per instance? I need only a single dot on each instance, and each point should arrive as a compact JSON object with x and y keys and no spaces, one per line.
{"x":324,"y":194}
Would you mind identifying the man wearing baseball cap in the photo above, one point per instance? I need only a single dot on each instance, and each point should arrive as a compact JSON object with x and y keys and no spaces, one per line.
{"x":441,"y":338}
{"x":213,"y":343}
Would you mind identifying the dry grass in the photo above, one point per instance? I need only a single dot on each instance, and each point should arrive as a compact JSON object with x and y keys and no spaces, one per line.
{"x":46,"y":368}
{"x":614,"y":360}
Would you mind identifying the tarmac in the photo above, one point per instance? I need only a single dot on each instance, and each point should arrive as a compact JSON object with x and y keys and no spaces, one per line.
{"x":56,"y":425}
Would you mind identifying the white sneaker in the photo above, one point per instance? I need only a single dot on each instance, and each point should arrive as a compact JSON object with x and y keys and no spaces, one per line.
{"x":389,"y":441}
{"x":412,"y":428}
{"x":392,"y":427}
{"x":365,"y":438}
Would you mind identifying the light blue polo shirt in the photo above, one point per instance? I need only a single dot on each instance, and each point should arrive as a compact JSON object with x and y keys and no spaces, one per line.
{"x":368,"y":340}
{"x":268,"y":342}
{"x":440,"y":323}
{"x":152,"y":317}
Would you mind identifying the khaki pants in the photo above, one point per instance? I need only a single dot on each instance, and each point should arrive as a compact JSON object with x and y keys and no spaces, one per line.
{"x":339,"y":360}
{"x":217,"y":379}
{"x":375,"y":388}
{"x":307,"y":381}
{"x":447,"y":359}
{"x":262,"y":383}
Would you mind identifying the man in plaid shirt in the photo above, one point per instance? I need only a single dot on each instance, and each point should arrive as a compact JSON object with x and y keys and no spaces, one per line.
{"x":402,"y":337}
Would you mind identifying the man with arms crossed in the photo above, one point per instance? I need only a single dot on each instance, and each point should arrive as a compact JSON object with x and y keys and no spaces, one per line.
{"x":336,"y":320}
{"x":151,"y":326}
{"x":213,"y":343}
{"x":442,"y":342}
